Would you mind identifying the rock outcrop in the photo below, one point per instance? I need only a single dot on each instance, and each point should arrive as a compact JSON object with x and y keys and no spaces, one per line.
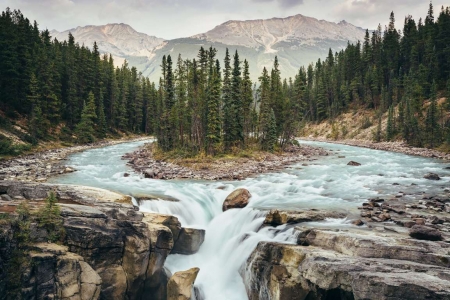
{"x":181,"y":285}
{"x":348,"y":265}
{"x":110,"y":249}
{"x":189,"y":241}
{"x":279,"y":217}
{"x":237,"y":199}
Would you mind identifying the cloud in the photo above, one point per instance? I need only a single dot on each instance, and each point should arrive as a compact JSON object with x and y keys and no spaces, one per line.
{"x":282,"y":3}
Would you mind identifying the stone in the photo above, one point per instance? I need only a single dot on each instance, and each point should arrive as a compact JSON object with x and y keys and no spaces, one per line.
{"x":432,"y":176}
{"x":237,"y":199}
{"x":353,"y":163}
{"x":189,"y":241}
{"x":5,"y":197}
{"x":290,"y":272}
{"x":181,"y":285}
{"x":278,"y":217}
{"x":126,"y":174}
{"x":421,"y":232}
{"x":358,"y":222}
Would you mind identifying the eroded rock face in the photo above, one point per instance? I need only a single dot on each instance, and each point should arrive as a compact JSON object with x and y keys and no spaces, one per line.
{"x":278,"y":217}
{"x":350,"y":264}
{"x":237,"y":199}
{"x":181,"y":285}
{"x":189,"y":241}
{"x":112,"y":251}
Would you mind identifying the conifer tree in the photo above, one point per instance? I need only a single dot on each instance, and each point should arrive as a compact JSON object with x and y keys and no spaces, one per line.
{"x":85,"y":129}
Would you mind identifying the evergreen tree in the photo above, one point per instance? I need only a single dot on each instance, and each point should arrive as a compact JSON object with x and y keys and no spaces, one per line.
{"x":85,"y":129}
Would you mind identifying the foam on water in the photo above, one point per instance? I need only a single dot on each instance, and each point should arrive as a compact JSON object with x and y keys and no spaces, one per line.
{"x":232,"y":235}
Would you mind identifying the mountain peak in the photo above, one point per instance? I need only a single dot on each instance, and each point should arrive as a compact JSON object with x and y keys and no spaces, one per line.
{"x":269,"y":33}
{"x":118,"y":39}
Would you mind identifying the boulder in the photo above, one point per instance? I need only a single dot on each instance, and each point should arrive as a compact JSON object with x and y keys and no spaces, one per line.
{"x":279,"y":217}
{"x":432,"y":176}
{"x":421,"y":232}
{"x":353,"y":163}
{"x":189,"y":241}
{"x":181,"y":285}
{"x":237,"y":199}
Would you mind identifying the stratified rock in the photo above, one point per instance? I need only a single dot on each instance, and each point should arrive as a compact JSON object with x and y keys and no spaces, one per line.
{"x":346,"y":266}
{"x":237,"y":199}
{"x":353,"y":163}
{"x":432,"y":176}
{"x":189,"y":241}
{"x":181,"y":285}
{"x":278,"y":217}
{"x":421,"y":232}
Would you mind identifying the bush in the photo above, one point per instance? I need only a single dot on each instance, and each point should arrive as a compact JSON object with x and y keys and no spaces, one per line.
{"x":366,"y":123}
{"x":49,"y":217}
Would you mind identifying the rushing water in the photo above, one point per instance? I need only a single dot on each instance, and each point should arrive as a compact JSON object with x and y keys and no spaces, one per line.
{"x":232,"y":235}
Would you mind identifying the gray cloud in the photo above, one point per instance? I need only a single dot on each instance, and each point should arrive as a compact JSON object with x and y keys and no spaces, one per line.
{"x":181,"y":18}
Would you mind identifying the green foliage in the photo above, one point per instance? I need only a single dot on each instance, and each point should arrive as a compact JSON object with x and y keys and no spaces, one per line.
{"x":49,"y":217}
{"x":85,"y":129}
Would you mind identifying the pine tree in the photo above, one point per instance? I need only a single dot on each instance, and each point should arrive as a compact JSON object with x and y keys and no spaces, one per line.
{"x":390,"y":127}
{"x":85,"y":129}
{"x":431,"y":122}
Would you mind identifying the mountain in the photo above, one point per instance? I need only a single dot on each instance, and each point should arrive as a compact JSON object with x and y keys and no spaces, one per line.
{"x":120,"y":40}
{"x":296,"y":40}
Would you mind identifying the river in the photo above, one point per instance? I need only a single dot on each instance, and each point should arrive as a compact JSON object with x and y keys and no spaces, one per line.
{"x":327,"y":183}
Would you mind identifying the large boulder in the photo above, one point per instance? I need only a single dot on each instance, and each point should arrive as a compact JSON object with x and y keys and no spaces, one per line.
{"x":237,"y":199}
{"x":421,"y":232}
{"x":189,"y":241}
{"x":353,"y":163}
{"x":181,"y":285}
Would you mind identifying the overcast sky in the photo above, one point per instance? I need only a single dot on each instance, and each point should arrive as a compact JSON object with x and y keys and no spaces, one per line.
{"x":181,"y":18}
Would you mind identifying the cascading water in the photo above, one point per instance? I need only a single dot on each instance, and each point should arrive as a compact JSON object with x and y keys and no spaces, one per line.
{"x":231,"y":236}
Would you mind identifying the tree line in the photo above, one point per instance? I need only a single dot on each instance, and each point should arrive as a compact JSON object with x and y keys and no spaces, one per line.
{"x":69,"y":91}
{"x":65,"y":89}
{"x":401,"y":72}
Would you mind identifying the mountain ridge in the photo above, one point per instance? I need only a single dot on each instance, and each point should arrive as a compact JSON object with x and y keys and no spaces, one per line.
{"x":297,"y":40}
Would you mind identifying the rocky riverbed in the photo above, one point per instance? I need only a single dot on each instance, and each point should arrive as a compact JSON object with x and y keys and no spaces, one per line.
{"x":237,"y":168}
{"x":38,"y":167}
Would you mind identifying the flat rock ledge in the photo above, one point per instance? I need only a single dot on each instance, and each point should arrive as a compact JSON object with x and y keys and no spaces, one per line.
{"x":338,"y":264}
{"x":237,"y":169}
{"x":110,"y":250}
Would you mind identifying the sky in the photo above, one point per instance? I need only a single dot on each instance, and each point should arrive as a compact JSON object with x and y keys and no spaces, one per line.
{"x":182,"y":18}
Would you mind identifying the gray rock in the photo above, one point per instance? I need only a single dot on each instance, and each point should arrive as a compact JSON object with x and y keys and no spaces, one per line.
{"x":353,"y":163}
{"x":432,"y":176}
{"x":189,"y":241}
{"x":421,"y":232}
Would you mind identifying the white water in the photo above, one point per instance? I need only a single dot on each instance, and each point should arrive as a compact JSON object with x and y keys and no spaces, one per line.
{"x":231,"y":236}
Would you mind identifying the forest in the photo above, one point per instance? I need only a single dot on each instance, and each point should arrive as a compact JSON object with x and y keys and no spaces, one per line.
{"x":70,"y":92}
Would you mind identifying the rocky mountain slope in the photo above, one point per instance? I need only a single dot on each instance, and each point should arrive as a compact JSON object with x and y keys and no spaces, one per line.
{"x":297,"y":40}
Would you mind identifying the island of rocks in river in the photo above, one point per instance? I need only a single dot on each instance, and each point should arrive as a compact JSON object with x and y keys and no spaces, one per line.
{"x":113,"y":251}
{"x":237,"y":168}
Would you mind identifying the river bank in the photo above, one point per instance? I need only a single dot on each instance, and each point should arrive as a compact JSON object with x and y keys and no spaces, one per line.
{"x":398,"y":147}
{"x":39,"y":166}
{"x":284,"y":244}
{"x":232,"y":168}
